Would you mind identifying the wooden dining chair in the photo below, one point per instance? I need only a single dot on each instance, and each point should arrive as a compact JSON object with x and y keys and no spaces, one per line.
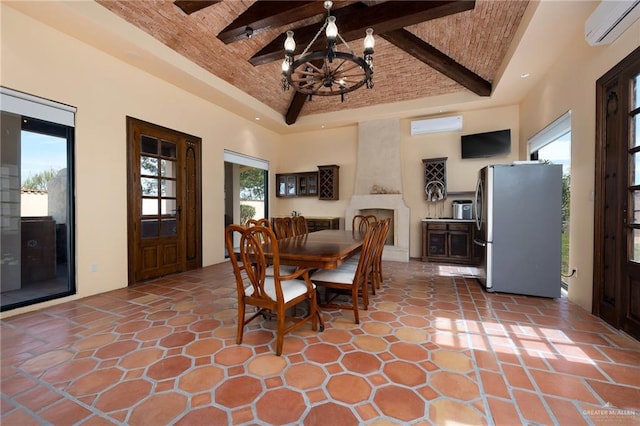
{"x":359,"y":223}
{"x":376,"y":270}
{"x":300,"y":226}
{"x":270,"y":294}
{"x":348,"y":280}
{"x":259,"y":222}
{"x":283,"y":227}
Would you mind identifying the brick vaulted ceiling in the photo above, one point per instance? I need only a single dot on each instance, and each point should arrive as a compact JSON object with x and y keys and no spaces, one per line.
{"x":460,"y":51}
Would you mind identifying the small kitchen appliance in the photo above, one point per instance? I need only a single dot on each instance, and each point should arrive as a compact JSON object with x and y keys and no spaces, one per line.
{"x":462,"y":209}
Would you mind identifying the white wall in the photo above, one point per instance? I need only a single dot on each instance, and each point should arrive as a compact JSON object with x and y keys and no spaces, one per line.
{"x":34,"y":204}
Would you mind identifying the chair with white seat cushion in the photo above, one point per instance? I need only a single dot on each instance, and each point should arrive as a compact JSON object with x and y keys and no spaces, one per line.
{"x":346,"y":279}
{"x":270,"y":294}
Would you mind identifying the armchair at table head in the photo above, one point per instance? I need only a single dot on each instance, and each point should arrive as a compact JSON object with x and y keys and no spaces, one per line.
{"x":300,"y":225}
{"x":269,"y":293}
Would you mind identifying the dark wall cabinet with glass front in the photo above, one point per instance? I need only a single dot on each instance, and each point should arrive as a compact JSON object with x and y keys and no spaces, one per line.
{"x":323,"y":183}
{"x":297,"y":184}
{"x":449,"y":242}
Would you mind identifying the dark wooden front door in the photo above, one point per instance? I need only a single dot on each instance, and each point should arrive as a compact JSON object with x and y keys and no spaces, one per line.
{"x":617,"y":232}
{"x":164,"y":201}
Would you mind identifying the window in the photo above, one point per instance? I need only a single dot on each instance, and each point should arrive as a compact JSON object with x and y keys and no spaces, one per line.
{"x":37,"y":201}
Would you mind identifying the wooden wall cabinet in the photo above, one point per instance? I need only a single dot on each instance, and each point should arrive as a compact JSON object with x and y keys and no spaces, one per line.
{"x":329,"y":182}
{"x":297,"y":184}
{"x":448,"y":242}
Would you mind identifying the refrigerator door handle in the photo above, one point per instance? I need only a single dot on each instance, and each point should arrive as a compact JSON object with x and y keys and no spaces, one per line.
{"x":480,"y":242}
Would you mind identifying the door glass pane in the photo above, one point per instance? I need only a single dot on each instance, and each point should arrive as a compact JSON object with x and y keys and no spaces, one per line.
{"x":168,"y":168}
{"x":168,"y":188}
{"x":168,"y":206}
{"x":149,"y":145}
{"x":635,"y":135}
{"x":149,"y":228}
{"x":37,"y":205}
{"x":169,"y":227}
{"x":149,"y":206}
{"x":636,"y":92}
{"x":634,"y":249}
{"x":148,"y":166}
{"x":168,"y":149}
{"x":149,"y":186}
{"x":634,"y":169}
{"x":634,"y":205}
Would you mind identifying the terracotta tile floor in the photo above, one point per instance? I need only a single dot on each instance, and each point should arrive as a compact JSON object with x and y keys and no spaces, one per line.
{"x":432,"y":349}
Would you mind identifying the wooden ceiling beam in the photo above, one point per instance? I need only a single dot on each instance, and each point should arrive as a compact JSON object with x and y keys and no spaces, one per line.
{"x":263,"y":15}
{"x":354,"y":19}
{"x":190,"y":6}
{"x":297,"y":102}
{"x":437,"y":60}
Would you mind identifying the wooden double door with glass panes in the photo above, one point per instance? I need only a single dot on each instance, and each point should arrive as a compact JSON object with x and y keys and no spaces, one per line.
{"x":616,"y":283}
{"x":164,"y":201}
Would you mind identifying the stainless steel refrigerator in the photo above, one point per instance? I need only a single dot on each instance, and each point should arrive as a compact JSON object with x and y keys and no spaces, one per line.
{"x":518,"y":220}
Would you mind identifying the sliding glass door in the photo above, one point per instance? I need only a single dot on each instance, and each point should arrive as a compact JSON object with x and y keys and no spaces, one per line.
{"x":37,"y":208}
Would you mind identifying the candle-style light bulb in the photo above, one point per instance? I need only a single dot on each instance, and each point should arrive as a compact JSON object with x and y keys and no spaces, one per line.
{"x":332,"y":28}
{"x":369,"y":41}
{"x":289,"y":43}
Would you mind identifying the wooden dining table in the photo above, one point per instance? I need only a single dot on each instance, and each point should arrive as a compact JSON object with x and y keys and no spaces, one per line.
{"x":325,"y":249}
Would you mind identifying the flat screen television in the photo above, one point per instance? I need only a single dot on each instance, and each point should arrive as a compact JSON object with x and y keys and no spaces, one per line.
{"x":489,"y":144}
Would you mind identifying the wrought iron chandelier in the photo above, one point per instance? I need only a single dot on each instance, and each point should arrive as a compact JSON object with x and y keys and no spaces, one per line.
{"x":331,"y":71}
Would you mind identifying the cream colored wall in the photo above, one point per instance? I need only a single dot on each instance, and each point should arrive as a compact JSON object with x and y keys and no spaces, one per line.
{"x":43,"y":62}
{"x":304,"y":152}
{"x":461,"y":174}
{"x":571,"y":85}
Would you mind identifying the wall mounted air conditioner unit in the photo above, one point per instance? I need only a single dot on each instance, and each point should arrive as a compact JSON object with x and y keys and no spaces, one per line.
{"x":610,"y":19}
{"x":433,"y":125}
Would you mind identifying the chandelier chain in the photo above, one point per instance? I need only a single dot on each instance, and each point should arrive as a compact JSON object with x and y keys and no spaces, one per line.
{"x":345,"y":43}
{"x":304,"y":52}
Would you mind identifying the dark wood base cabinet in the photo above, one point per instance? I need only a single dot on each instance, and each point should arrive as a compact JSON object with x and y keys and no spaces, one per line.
{"x":320,"y":223}
{"x":449,"y":242}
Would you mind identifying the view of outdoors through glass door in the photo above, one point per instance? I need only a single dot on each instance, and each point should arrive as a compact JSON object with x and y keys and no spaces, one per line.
{"x":245,"y":187}
{"x":36,"y":216}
